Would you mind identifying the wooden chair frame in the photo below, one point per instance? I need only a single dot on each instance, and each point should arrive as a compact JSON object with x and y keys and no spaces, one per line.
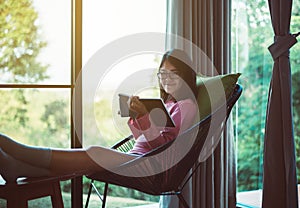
{"x":18,"y":194}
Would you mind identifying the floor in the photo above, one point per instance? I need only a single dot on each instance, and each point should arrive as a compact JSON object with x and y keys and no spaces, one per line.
{"x":156,"y":205}
{"x":250,"y":198}
{"x":253,"y":199}
{"x":247,"y":199}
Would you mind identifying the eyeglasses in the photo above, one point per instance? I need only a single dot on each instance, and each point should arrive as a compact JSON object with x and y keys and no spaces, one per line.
{"x":170,"y":75}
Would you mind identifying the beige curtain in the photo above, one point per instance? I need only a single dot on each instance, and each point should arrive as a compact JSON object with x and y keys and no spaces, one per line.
{"x":207,"y":24}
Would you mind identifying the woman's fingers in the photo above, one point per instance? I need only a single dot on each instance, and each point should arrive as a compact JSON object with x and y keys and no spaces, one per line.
{"x":137,"y":106}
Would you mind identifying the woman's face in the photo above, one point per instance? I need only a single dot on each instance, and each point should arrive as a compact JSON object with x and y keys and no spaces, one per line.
{"x":169,"y":78}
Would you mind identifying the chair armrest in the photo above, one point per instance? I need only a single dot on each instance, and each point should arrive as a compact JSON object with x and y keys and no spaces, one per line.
{"x":125,"y":144}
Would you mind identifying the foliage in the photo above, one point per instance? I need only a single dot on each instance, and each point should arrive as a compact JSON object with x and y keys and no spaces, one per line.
{"x":100,"y":127}
{"x":20,"y":43}
{"x":14,"y":114}
{"x":53,"y":116}
{"x":112,"y":202}
{"x":255,"y":63}
{"x":36,"y":109}
{"x":20,"y":46}
{"x":42,"y":117}
{"x":295,"y":65}
{"x":121,"y":191}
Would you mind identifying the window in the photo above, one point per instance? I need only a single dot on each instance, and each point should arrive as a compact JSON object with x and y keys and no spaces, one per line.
{"x":105,"y":23}
{"x":35,"y":71}
{"x":37,"y":49}
{"x":252,"y":33}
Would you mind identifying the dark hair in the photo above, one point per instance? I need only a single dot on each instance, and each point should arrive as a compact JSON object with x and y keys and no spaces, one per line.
{"x":181,"y":61}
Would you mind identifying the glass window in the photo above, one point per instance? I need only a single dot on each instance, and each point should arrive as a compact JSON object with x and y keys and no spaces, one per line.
{"x":35,"y":51}
{"x":56,"y":32}
{"x":252,"y":33}
{"x":41,"y":116}
{"x":295,"y":67}
{"x":104,"y":23}
{"x":35,"y":44}
{"x":35,"y":72}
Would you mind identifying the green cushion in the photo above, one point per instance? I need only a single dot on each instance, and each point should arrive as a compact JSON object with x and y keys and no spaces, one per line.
{"x":213,"y":91}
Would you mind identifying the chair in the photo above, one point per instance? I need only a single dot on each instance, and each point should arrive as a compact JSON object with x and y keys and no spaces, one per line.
{"x":173,"y":179}
{"x":24,"y":189}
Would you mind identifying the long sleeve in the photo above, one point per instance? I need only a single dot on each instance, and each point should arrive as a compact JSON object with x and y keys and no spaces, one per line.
{"x":149,"y":136}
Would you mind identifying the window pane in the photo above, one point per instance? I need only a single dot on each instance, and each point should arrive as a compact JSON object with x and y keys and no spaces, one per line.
{"x":140,"y":79}
{"x":35,"y":38}
{"x":252,"y":34}
{"x":104,"y":22}
{"x":295,"y":67}
{"x":36,"y":116}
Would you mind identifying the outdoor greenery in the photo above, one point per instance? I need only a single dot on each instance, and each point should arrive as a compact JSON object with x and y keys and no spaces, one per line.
{"x":252,"y":34}
{"x":20,"y":43}
{"x":38,"y":116}
{"x":112,"y":202}
{"x":42,"y":117}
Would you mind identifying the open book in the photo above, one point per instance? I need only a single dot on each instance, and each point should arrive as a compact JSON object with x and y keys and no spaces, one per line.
{"x":155,"y":106}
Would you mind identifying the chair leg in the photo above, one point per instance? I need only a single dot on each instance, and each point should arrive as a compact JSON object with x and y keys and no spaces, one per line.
{"x":104,"y":195}
{"x":182,"y":201}
{"x":56,"y":198}
{"x":13,"y":203}
{"x":89,"y":194}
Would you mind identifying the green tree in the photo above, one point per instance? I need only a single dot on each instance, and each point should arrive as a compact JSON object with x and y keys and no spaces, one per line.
{"x":295,"y":65}
{"x":57,"y":124}
{"x":255,"y":62}
{"x":53,"y":116}
{"x":20,"y":43}
{"x":13,"y":116}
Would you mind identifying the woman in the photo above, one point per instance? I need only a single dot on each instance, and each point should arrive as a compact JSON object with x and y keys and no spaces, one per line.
{"x":177,"y":82}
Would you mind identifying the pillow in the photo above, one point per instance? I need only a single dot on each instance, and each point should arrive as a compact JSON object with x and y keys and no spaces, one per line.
{"x":213,"y":91}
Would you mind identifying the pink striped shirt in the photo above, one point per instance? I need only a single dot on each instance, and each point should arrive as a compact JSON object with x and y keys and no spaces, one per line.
{"x":148,"y":136}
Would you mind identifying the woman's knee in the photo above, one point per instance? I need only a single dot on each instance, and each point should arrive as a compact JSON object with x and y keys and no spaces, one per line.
{"x":94,"y":149}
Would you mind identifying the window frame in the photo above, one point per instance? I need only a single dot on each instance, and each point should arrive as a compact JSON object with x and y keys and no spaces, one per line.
{"x":76,"y":95}
{"x":75,"y":90}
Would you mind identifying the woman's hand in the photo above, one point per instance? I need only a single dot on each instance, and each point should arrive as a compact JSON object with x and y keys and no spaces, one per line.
{"x":137,"y":106}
